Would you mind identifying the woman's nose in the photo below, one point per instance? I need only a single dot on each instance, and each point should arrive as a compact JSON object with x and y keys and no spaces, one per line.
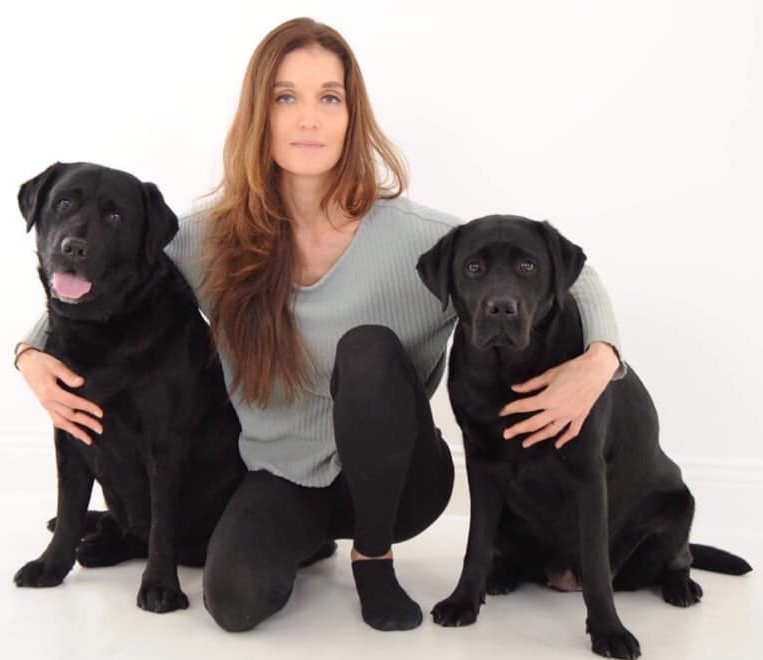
{"x":308,"y":120}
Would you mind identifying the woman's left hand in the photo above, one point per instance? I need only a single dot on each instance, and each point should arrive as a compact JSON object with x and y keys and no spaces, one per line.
{"x":568,"y":392}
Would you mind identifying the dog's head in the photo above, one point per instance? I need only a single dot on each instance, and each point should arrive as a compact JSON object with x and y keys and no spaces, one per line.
{"x":99,"y":231}
{"x":504,"y":274}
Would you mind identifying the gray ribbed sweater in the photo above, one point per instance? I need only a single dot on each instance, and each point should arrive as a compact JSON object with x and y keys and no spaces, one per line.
{"x":374,"y":281}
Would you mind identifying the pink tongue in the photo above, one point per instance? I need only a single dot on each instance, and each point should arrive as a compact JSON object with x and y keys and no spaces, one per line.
{"x":68,"y":285}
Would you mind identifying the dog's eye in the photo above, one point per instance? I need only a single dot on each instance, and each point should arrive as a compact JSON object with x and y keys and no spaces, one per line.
{"x":474,"y":267}
{"x":526,"y":266}
{"x":63,"y":204}
{"x":113,"y":216}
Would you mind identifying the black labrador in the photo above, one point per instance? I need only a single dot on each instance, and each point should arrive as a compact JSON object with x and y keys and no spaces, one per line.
{"x":607,"y":510}
{"x":122,"y":316}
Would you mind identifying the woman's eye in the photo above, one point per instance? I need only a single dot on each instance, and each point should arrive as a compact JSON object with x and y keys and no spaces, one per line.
{"x":63,"y":204}
{"x":113,"y":216}
{"x":474,"y":267}
{"x":284,"y":98}
{"x":526,"y":266}
{"x":334,"y":99}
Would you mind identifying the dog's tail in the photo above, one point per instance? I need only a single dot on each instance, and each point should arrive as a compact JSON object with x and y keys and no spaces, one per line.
{"x":713,"y":559}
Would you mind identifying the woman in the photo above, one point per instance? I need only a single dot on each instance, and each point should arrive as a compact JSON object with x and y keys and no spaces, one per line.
{"x":331,"y":346}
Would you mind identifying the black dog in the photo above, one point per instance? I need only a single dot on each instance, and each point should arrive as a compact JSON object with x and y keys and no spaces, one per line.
{"x":609,"y":508}
{"x":122,"y":316}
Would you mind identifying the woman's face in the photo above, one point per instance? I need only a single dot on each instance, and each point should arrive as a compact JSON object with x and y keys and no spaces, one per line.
{"x":308,"y":114}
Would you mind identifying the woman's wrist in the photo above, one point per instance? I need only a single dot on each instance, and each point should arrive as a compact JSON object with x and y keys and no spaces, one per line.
{"x":21,"y":350}
{"x":605,"y":357}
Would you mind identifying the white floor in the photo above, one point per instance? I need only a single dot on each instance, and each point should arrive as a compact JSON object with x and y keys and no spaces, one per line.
{"x":93,"y":613}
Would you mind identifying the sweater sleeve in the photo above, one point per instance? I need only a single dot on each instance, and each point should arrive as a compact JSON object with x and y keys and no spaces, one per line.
{"x":184,"y":250}
{"x":597,"y":314}
{"x":37,"y":333}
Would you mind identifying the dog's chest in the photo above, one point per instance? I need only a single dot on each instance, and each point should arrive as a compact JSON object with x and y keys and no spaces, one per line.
{"x":536,"y":483}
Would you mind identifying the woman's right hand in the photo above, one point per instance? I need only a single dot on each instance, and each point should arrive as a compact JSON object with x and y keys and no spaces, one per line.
{"x":42,"y":373}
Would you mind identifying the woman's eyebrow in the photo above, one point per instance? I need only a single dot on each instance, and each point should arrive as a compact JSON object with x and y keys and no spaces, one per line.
{"x":287,"y":83}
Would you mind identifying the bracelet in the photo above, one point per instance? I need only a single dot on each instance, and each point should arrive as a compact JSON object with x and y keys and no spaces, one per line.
{"x":20,"y":353}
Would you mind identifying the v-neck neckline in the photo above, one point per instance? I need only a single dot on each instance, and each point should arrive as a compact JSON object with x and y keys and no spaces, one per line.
{"x":335,"y":266}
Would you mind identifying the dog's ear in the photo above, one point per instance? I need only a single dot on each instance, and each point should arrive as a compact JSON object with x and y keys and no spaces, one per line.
{"x":161,"y":221}
{"x":32,"y":193}
{"x":433,"y":267}
{"x":566,"y":257}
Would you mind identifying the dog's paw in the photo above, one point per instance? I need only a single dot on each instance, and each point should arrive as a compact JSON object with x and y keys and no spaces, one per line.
{"x":502,"y":578}
{"x":159,"y":598}
{"x":618,"y":643}
{"x":108,"y":547}
{"x":38,"y":574}
{"x":680,"y":590}
{"x":455,"y":612}
{"x":99,"y":549}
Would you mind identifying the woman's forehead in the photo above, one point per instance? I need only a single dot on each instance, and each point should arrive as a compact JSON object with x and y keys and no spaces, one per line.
{"x":310,"y":65}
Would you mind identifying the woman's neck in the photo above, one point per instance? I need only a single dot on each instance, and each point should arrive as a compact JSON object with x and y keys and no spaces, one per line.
{"x":302,"y":197}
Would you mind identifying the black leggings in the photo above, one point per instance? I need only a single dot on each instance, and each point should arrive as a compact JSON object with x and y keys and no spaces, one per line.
{"x":396,"y":479}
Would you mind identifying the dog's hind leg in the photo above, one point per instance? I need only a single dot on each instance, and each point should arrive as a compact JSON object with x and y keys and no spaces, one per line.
{"x":663,"y":558}
{"x":677,"y":587}
{"x":108,"y":545}
{"x":91,"y":522}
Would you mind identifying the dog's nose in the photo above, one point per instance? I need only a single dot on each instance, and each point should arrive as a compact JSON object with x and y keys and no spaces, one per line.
{"x":74,"y":248}
{"x":501,"y":307}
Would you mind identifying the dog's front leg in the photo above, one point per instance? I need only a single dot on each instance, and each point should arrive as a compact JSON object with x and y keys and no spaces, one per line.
{"x":462,"y":606}
{"x":609,"y":637}
{"x":75,"y":483}
{"x":160,"y":587}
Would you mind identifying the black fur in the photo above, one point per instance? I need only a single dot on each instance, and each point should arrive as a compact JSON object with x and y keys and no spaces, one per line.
{"x":609,"y":503}
{"x":168,"y":458}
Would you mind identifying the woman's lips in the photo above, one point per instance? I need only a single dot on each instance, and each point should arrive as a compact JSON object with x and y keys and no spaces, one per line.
{"x":307,"y":145}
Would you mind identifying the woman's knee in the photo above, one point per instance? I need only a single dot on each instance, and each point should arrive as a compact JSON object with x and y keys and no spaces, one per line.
{"x":239,"y":597}
{"x":368,"y":343}
{"x":367,"y":353}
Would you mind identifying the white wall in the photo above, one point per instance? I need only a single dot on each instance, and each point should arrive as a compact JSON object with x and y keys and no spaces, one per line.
{"x":633,"y":126}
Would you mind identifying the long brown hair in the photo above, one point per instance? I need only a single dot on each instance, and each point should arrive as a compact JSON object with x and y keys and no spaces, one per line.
{"x":249,"y":253}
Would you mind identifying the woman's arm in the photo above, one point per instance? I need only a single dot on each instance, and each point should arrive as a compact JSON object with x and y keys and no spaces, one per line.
{"x":568,"y":391}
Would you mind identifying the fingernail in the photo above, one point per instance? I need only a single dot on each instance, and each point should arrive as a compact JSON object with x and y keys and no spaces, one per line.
{"x":506,"y":435}
{"x":525,"y":444}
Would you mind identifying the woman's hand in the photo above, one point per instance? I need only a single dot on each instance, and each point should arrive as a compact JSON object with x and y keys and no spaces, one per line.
{"x":568,"y":392}
{"x":42,"y":372}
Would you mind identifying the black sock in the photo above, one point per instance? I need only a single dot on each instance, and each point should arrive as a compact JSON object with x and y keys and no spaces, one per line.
{"x":383,"y":602}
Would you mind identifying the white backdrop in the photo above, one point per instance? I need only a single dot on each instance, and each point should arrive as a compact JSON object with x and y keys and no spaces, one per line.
{"x":633,"y":126}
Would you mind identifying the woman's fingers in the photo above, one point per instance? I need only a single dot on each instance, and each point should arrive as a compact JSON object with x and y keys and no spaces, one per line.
{"x":528,"y":404}
{"x":545,"y":433}
{"x":63,"y":373}
{"x":78,"y":403}
{"x":77,"y":416}
{"x":535,"y":383}
{"x":72,"y":429}
{"x":529,"y":425}
{"x":570,"y":434}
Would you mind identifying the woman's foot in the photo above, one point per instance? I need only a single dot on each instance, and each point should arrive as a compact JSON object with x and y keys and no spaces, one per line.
{"x":383,"y":602}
